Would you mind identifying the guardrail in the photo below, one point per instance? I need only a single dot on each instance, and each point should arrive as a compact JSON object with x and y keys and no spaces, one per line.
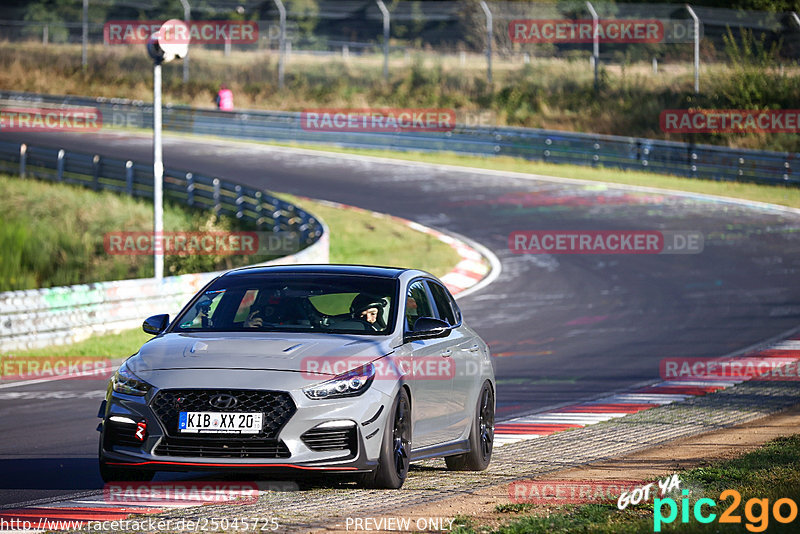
{"x":136,"y":179}
{"x":35,"y":318}
{"x":649,"y":155}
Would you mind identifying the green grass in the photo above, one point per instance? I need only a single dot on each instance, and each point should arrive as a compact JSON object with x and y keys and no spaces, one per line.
{"x":114,"y":345}
{"x":363,"y":238}
{"x":52,"y":235}
{"x":771,"y":472}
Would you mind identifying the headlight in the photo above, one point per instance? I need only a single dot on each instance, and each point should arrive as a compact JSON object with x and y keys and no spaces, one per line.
{"x":124,"y":381}
{"x":349,"y":384}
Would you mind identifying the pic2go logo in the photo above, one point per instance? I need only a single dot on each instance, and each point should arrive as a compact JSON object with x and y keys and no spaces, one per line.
{"x":757,"y":521}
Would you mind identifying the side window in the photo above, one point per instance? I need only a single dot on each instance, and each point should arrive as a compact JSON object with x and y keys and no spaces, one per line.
{"x":442,"y":301}
{"x":204,"y":310}
{"x":244,"y":306}
{"x":455,"y":307}
{"x":417,"y":303}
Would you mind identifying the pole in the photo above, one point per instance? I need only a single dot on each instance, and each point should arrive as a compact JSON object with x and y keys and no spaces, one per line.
{"x":158,"y":175}
{"x":595,"y":42}
{"x":187,"y":16}
{"x":282,"y":41}
{"x":386,"y":23}
{"x":489,"y":39}
{"x":85,"y":36}
{"x":696,"y":48}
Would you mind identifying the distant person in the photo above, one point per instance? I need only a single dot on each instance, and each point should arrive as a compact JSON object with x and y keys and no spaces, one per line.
{"x":224,"y":99}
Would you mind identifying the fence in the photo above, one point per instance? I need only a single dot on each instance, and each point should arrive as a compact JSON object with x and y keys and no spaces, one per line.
{"x":651,"y":155}
{"x":35,"y":318}
{"x":395,"y":29}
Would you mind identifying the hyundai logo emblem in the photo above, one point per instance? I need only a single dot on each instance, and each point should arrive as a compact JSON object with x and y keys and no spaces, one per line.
{"x":223,"y":400}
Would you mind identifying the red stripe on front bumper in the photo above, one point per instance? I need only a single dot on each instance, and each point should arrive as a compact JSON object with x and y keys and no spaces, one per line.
{"x":149,"y":462}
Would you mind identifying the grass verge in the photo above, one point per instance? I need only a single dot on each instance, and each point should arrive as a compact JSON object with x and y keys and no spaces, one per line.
{"x":356,"y":237}
{"x":360,"y":237}
{"x":769,"y":473}
{"x":52,"y":234}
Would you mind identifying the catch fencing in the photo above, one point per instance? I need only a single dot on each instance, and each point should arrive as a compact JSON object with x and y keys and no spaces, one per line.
{"x":467,"y":29}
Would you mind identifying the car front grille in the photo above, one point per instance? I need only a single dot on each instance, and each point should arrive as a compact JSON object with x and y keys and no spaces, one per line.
{"x":331,"y":439}
{"x":277,"y":407}
{"x":236,"y":448}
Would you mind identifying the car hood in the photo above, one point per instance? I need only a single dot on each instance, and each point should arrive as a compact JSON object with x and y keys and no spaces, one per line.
{"x":323,"y":354}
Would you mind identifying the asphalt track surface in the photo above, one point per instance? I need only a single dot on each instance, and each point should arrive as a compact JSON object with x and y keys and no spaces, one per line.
{"x":564,"y":328}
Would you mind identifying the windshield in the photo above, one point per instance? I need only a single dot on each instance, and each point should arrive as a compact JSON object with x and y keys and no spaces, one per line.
{"x":307,"y":303}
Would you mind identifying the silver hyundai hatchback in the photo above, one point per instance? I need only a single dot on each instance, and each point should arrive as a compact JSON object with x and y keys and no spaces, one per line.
{"x":306,"y":368}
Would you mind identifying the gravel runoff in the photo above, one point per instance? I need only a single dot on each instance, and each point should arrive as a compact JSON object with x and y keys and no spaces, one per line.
{"x":326,"y":504}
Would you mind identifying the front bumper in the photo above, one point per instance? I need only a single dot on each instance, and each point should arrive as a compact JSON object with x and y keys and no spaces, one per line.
{"x":335,"y":435}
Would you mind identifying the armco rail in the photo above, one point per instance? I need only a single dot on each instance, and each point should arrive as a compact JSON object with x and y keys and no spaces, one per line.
{"x":35,"y":318}
{"x":681,"y":159}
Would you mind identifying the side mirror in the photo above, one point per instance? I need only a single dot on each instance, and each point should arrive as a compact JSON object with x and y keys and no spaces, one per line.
{"x":156,"y":324}
{"x":428,"y":328}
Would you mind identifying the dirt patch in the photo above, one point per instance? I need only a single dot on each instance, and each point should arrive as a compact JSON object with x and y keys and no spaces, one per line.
{"x":680,"y":454}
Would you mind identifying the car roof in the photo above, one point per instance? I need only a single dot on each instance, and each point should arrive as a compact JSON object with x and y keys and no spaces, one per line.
{"x":357,"y":270}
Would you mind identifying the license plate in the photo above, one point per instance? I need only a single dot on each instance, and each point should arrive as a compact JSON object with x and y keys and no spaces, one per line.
{"x":220,"y":422}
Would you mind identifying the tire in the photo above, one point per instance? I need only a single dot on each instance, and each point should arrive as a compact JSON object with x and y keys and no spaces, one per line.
{"x":394,"y":458}
{"x":481,"y":436}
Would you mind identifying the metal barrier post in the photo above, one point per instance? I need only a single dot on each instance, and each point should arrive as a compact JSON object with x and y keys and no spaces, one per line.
{"x":217,"y":205}
{"x":23,"y":158}
{"x":281,"y":41}
{"x":259,"y":218}
{"x":96,"y":172}
{"x":696,"y":48}
{"x":190,"y":189}
{"x":129,"y":177}
{"x":85,"y":36}
{"x":489,"y":39}
{"x":595,"y":42}
{"x":239,"y":201}
{"x":60,"y":166}
{"x":386,"y":27}
{"x":187,"y":17}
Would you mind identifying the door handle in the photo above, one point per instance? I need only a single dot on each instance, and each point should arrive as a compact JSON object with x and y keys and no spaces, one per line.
{"x":447,"y":353}
{"x":474,"y":348}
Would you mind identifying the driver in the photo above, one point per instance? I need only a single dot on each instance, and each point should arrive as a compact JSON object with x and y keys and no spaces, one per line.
{"x":370,"y":309}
